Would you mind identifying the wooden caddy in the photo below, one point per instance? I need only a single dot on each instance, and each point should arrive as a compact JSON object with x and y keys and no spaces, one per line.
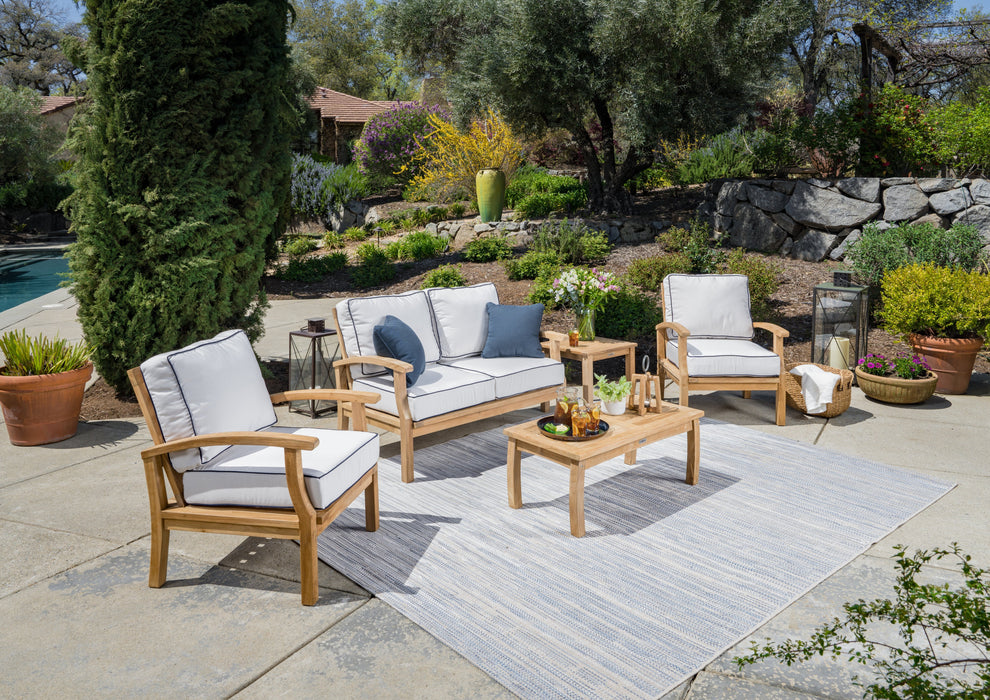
{"x":303,"y":522}
{"x":646,"y":394}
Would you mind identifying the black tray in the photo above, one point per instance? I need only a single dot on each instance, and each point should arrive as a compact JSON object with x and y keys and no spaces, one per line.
{"x":602,"y":430}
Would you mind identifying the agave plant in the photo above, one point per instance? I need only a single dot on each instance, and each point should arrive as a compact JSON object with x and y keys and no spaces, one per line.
{"x":40,"y":355}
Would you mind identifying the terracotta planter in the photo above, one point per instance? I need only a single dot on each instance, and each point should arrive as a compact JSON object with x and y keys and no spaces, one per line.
{"x":43,"y":408}
{"x":895,"y":389}
{"x":952,"y":359}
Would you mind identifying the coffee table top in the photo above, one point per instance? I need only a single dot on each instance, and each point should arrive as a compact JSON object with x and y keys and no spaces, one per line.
{"x":627,"y":432}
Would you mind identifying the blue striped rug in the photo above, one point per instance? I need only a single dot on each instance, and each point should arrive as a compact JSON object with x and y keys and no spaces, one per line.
{"x":667,"y":578}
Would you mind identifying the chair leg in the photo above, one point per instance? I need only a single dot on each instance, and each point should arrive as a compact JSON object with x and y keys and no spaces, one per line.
{"x":159,"y":554}
{"x":371,"y":503}
{"x":781,"y":406}
{"x":309,"y":563}
{"x":682,"y":394}
{"x":747,"y":394}
{"x":406,"y":452}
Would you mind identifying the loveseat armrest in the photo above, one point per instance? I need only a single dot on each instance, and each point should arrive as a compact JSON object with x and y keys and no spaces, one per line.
{"x":377,"y":360}
{"x":556,"y":340}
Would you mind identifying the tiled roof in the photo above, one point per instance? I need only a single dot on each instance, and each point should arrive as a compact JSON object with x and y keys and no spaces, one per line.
{"x":55,"y":103}
{"x":346,"y":108}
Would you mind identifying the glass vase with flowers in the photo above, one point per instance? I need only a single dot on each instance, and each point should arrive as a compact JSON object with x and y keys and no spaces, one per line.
{"x":585,"y":292}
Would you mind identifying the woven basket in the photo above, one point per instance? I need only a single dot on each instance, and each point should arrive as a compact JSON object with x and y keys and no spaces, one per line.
{"x":841,"y":395}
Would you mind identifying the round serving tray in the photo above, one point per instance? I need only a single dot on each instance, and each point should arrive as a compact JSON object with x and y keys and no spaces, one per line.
{"x":602,"y":430}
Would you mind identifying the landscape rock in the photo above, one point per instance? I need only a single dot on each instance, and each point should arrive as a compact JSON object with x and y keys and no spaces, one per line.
{"x":614,"y":235}
{"x":933,"y":219}
{"x":930,"y":185}
{"x":754,"y":230}
{"x":894,"y":181}
{"x":813,"y":245}
{"x":839,"y":252}
{"x":464,"y":235}
{"x":787,"y":246}
{"x":785,"y":186}
{"x":978,"y":216}
{"x":786,"y":223}
{"x":818,"y":208}
{"x":483,"y":228}
{"x":946,"y":202}
{"x":730,"y":193}
{"x":766,"y":199}
{"x":816,"y":182}
{"x":980,"y":191}
{"x":904,"y":203}
{"x":865,"y":188}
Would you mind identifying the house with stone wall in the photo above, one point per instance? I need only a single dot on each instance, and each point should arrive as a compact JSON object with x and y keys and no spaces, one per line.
{"x":341,"y":120}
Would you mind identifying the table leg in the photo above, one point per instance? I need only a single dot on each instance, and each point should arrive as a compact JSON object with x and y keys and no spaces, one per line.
{"x":630,"y":363}
{"x":631,"y":457}
{"x":588,"y":378}
{"x":576,"y":501}
{"x":693,"y":452}
{"x":514,"y":460}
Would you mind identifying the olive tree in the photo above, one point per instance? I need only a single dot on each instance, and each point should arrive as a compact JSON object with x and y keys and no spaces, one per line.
{"x":640,"y":69}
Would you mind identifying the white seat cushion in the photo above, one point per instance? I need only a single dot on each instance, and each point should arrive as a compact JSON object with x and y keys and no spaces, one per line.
{"x":212,"y":386}
{"x":440,"y":389}
{"x":514,"y":375}
{"x":460,"y":317}
{"x":252,"y":476}
{"x":726,"y":357}
{"x":710,"y":306}
{"x":359,"y":316}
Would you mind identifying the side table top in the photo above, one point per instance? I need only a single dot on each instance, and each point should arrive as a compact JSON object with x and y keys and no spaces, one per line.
{"x":599,"y":347}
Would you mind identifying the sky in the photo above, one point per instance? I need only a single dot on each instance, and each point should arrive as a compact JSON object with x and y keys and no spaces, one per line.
{"x":73,"y":14}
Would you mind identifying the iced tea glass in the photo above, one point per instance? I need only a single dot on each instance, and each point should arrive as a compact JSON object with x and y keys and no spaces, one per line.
{"x":562,"y":411}
{"x":594,"y":415}
{"x":579,"y":421}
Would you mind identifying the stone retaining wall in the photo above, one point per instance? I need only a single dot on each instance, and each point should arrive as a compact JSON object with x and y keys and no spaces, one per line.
{"x":817,"y":219}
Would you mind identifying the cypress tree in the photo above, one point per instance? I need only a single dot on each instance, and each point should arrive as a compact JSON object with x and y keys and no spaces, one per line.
{"x":183,"y":169}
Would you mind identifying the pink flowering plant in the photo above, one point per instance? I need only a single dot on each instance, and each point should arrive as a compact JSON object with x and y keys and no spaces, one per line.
{"x":583,"y":289}
{"x":902,"y":366}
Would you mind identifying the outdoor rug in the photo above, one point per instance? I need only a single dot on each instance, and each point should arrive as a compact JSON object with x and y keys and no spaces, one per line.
{"x":667,"y":578}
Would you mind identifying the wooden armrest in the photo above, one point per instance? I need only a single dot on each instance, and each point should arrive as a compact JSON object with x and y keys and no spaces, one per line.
{"x":288,"y":441}
{"x":680,"y":330}
{"x":326,"y":395}
{"x":773,"y":328}
{"x":387,"y":362}
{"x":555,"y":339}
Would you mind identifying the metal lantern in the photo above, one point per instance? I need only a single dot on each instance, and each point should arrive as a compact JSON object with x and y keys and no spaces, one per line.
{"x":312,"y":351}
{"x":839,"y":324}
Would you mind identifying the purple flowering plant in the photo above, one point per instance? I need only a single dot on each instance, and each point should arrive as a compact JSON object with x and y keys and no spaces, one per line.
{"x":902,"y":366}
{"x":583,"y":289}
{"x":391,"y":138}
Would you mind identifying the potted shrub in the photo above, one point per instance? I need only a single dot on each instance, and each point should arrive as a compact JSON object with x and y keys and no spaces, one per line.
{"x":41,"y":387}
{"x":943,"y":313}
{"x":903,"y":379}
{"x":613,"y":394}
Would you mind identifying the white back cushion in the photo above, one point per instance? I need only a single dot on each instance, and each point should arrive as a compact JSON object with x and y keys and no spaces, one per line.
{"x":461,"y":320}
{"x":359,"y":316}
{"x":211,"y":386}
{"x":710,"y":306}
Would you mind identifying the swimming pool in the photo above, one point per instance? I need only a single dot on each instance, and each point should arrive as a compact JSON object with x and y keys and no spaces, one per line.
{"x":27,"y":275}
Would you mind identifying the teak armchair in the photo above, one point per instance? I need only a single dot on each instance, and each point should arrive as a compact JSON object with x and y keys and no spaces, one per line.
{"x":705,"y":340}
{"x":233,"y":471}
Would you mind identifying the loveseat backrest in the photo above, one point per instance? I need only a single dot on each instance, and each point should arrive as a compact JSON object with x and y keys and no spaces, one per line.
{"x":211,"y":386}
{"x":358,"y":317}
{"x":710,"y":306}
{"x":460,"y":318}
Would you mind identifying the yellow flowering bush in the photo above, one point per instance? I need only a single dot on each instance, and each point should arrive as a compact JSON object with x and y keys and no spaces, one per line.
{"x":939,"y":301}
{"x":449,"y":158}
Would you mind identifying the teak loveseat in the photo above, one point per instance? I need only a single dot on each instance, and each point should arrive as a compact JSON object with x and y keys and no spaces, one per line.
{"x":458,"y":385}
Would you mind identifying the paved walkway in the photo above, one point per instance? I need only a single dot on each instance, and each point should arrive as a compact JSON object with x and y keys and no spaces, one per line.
{"x":78,"y":619}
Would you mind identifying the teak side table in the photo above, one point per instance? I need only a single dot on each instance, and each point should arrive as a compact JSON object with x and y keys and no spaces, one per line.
{"x":627,"y":433}
{"x":589,"y":351}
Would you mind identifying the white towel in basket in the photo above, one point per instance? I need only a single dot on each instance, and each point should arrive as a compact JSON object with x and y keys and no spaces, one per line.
{"x":817,"y":390}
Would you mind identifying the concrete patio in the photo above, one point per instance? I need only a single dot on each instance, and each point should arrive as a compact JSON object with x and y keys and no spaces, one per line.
{"x":80,"y":621}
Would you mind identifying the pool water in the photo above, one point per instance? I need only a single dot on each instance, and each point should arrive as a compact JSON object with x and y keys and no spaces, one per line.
{"x":26,"y":276}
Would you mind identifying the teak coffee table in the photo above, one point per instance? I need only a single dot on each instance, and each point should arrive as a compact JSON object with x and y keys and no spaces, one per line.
{"x":626,"y":434}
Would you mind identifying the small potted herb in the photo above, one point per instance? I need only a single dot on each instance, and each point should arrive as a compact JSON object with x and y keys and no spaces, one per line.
{"x":613,"y":394}
{"x":42,"y":382}
{"x":904,"y":379}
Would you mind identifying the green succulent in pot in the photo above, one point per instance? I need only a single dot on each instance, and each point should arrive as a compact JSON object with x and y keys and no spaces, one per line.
{"x":42,"y":382}
{"x":943,"y":313}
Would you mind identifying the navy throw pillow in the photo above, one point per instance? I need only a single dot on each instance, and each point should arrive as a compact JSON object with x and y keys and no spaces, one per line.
{"x":513,"y":331}
{"x":395,"y":339}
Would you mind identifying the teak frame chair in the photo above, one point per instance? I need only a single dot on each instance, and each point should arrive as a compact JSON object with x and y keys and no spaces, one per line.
{"x":685,"y":383}
{"x":403,"y":424}
{"x":303,"y":522}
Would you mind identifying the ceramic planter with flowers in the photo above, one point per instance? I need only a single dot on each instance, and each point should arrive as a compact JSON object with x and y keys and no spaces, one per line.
{"x":903,"y":379}
{"x":944,"y":313}
{"x":41,"y":387}
{"x":585,"y":292}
